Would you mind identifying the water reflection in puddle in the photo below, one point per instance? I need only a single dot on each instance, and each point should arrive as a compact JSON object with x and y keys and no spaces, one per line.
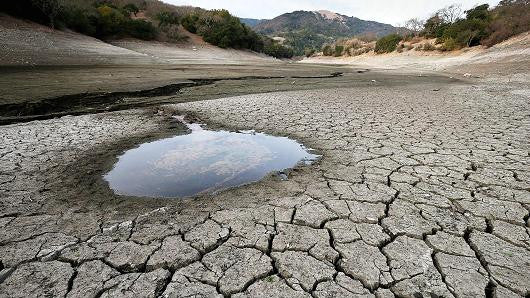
{"x":204,"y":161}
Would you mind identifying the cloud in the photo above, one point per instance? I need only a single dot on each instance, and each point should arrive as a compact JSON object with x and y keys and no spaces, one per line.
{"x":387,"y":11}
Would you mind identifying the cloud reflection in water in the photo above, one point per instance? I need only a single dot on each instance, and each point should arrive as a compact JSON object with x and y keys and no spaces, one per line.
{"x":203,"y":161}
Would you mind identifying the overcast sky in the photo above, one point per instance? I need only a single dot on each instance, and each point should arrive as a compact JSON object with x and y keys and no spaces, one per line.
{"x":393,"y":12}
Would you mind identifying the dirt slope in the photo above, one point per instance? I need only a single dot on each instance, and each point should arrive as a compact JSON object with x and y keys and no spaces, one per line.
{"x":511,"y":56}
{"x":191,"y":52}
{"x":27,"y":43}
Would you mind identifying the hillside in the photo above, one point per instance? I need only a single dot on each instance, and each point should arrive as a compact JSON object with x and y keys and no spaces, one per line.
{"x":150,"y":20}
{"x":509,"y":58}
{"x":312,"y":29}
{"x":322,"y":22}
{"x":28,"y":43}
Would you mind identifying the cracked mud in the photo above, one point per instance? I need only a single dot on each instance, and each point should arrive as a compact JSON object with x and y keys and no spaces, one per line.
{"x":418,"y":194}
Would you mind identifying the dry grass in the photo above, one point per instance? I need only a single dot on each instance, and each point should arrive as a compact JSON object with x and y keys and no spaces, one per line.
{"x":354,"y":46}
{"x":357,"y":46}
{"x":418,"y":43}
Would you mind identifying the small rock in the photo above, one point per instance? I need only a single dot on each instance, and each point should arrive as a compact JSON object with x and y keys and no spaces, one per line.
{"x":224,"y":233}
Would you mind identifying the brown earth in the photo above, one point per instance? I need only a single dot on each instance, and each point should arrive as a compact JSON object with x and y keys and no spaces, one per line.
{"x":423,"y":188}
{"x":505,"y":59}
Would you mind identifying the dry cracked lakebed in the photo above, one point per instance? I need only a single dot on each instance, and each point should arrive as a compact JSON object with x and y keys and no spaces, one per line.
{"x":423,"y":190}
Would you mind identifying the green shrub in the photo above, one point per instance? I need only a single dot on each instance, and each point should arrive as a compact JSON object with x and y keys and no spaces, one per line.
{"x":468,"y":32}
{"x":131,"y":8}
{"x":458,"y":33}
{"x":428,"y":47}
{"x":50,"y":8}
{"x":480,"y":12}
{"x":300,"y":40}
{"x":327,"y":50}
{"x":167,"y":18}
{"x":109,"y":21}
{"x":80,"y":20}
{"x":140,"y":29}
{"x":278,"y":51}
{"x":220,"y":28}
{"x":189,"y":22}
{"x":509,"y":18}
{"x":387,"y":44}
{"x":434,"y":27}
{"x":481,"y":25}
{"x":44,"y":12}
{"x":338,"y":50}
{"x":450,"y":45}
{"x":309,"y":52}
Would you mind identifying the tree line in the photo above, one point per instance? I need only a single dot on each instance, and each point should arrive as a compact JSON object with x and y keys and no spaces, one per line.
{"x":453,"y":28}
{"x":100,"y":19}
{"x":481,"y":25}
{"x":220,"y":28}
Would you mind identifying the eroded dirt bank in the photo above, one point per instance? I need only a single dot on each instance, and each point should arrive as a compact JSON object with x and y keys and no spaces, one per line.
{"x":423,"y":189}
{"x":510,"y":59}
{"x":48,"y":92}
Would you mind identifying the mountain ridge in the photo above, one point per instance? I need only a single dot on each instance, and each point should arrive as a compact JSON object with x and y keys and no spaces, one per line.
{"x":296,"y":19}
{"x":311,"y":29}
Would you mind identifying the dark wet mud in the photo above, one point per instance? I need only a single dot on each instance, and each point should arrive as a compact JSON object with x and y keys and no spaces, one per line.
{"x":194,"y":89}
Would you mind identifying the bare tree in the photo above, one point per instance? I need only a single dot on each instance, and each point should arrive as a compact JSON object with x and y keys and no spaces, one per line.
{"x":400,"y":28}
{"x":451,"y":13}
{"x":414,"y":25}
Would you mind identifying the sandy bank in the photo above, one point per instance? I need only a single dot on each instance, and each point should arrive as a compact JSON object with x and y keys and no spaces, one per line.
{"x":511,"y":56}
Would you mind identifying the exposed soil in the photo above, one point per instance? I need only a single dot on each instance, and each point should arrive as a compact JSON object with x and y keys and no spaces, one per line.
{"x":504,"y":59}
{"x":423,"y":189}
{"x":191,"y":90}
{"x":30,"y":44}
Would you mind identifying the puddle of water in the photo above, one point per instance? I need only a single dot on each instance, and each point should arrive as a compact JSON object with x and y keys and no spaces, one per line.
{"x":204,"y":161}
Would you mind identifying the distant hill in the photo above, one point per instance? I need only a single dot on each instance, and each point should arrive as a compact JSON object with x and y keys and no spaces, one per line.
{"x":311,"y":29}
{"x":251,"y":22}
